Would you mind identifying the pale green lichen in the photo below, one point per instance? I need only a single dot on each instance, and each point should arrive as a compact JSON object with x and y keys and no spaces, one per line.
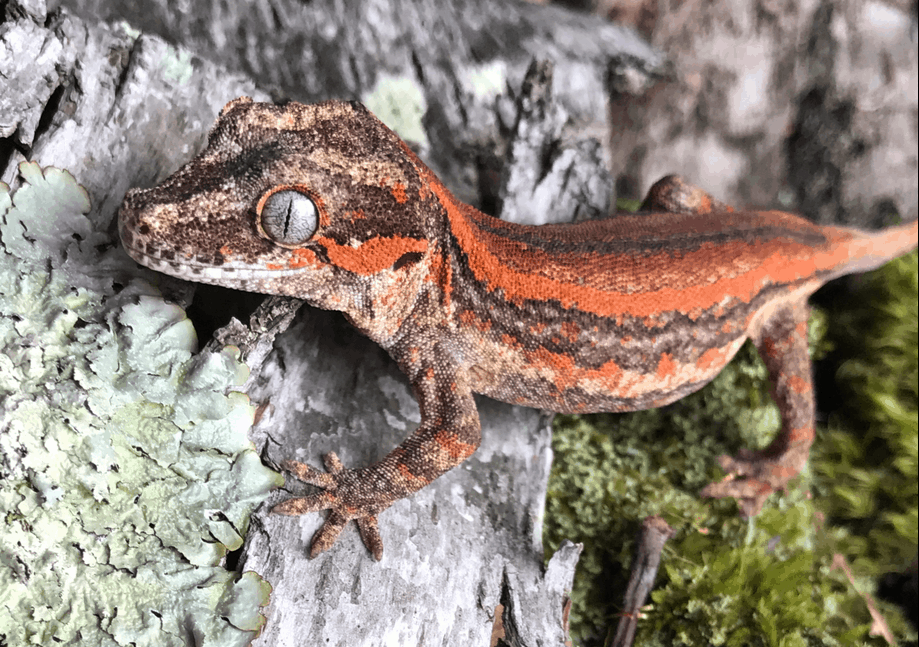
{"x":399,"y":103}
{"x":176,"y":66}
{"x":125,"y":470}
{"x":487,"y":81}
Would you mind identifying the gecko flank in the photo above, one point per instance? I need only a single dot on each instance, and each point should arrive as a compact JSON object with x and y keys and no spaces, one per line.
{"x":325,"y":203}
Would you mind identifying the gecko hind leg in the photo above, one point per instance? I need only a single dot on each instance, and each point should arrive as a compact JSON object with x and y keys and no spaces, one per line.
{"x":754,"y":475}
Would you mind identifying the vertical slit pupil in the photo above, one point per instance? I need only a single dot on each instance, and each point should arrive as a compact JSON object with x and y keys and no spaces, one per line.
{"x":287,"y":219}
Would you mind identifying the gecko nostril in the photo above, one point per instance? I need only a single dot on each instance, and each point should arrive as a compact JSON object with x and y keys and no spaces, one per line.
{"x":144,"y":229}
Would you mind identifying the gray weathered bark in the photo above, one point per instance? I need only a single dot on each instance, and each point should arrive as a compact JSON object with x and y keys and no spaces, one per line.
{"x":453,"y":61}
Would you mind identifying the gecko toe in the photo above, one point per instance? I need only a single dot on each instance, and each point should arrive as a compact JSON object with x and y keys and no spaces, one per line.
{"x":328,"y":533}
{"x":370,"y":534}
{"x":332,"y":463}
{"x":309,"y":474}
{"x":749,"y":493}
{"x":302,"y":505}
{"x":752,"y":477}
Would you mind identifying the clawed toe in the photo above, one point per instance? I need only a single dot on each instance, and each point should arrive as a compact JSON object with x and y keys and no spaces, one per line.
{"x":302,"y":505}
{"x":309,"y":474}
{"x":328,"y":533}
{"x":750,"y":493}
{"x":370,"y":534}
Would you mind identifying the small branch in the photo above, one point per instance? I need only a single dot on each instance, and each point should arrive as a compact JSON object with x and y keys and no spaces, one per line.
{"x":654,"y":534}
{"x":256,"y":340}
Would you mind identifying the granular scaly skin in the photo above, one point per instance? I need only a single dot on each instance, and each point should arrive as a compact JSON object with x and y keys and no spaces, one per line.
{"x":325,"y":203}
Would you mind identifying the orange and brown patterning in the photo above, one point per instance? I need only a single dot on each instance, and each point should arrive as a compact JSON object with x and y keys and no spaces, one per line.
{"x":325,"y":203}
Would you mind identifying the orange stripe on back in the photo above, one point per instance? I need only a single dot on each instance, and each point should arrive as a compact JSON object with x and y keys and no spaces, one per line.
{"x":641,"y":285}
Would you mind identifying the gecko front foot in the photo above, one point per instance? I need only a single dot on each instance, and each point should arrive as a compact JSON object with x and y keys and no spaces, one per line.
{"x":345,"y":496}
{"x":753,"y":476}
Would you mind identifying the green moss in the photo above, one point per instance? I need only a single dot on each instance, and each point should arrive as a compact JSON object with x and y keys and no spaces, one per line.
{"x":866,"y":461}
{"x":125,"y":470}
{"x":725,"y":581}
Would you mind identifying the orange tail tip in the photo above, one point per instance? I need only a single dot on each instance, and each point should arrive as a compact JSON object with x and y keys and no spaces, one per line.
{"x":866,"y":250}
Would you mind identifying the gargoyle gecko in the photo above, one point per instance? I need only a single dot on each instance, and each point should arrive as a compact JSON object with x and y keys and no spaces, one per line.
{"x":325,"y":203}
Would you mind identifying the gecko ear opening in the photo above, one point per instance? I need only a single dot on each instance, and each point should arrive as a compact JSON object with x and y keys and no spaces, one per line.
{"x":287,"y":217}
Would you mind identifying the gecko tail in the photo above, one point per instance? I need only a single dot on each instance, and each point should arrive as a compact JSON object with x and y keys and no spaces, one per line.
{"x":869,"y":250}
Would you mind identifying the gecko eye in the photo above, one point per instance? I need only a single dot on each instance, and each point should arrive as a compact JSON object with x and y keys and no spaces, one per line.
{"x":288,"y":217}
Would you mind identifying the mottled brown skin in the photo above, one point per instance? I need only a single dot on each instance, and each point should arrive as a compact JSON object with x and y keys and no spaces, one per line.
{"x":615,"y":315}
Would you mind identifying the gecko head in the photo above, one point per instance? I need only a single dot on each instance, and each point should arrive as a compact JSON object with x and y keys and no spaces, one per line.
{"x":305,"y":200}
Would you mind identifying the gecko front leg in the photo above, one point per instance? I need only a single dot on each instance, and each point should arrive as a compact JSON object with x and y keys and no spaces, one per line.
{"x":449,"y":433}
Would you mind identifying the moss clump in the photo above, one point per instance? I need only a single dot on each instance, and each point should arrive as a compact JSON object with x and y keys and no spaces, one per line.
{"x":865,"y":462}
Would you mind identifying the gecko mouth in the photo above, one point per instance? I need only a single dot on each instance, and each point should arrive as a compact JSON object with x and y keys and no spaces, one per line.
{"x":228,"y":273}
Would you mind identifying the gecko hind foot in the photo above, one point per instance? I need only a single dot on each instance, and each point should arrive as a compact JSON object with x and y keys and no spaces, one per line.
{"x":337,"y":483}
{"x":752,"y":477}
